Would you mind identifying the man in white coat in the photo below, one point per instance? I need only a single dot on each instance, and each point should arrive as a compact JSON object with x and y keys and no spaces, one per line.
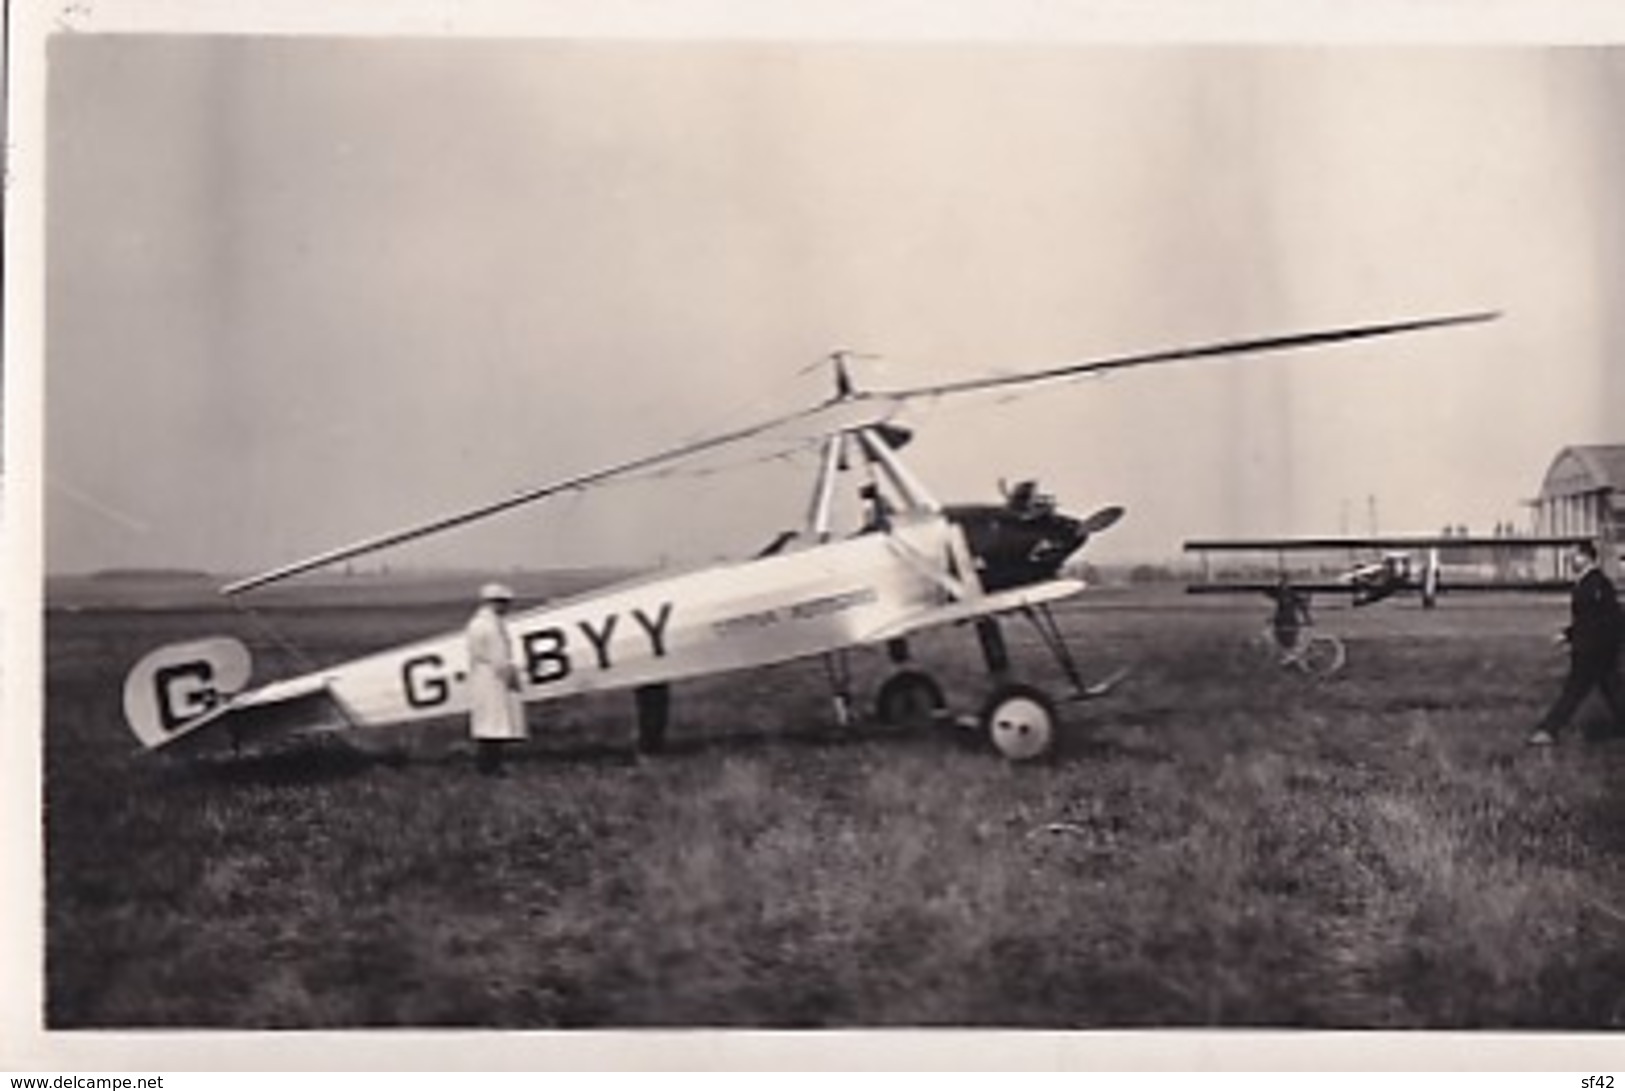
{"x":496,"y":715}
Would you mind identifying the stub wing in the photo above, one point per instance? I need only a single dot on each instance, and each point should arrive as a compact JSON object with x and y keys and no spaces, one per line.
{"x":950,"y":613}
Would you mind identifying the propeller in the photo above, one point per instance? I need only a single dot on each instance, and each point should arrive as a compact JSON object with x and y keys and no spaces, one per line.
{"x":1090,"y":525}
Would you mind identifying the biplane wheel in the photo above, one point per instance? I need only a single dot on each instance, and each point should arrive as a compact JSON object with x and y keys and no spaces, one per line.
{"x":1019,"y":721}
{"x":1323,"y":655}
{"x":911,"y":699}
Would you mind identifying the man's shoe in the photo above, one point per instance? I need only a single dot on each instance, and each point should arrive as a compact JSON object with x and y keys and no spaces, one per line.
{"x":1542,"y":738}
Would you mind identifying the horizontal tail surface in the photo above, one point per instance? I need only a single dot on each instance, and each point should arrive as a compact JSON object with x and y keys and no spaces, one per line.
{"x":180,"y":687}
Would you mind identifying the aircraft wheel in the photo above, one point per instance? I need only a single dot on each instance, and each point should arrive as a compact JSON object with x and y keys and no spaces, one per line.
{"x":909,"y":698}
{"x":1020,"y":721}
{"x":1323,"y":655}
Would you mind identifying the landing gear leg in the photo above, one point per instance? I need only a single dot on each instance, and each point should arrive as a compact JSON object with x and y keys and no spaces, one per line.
{"x":1019,"y":720}
{"x":838,"y":669}
{"x":654,"y":714}
{"x":1049,"y":631}
{"x":994,"y":652}
{"x":910,"y":698}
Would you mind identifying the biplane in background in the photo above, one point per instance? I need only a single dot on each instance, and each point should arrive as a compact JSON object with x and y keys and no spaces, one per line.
{"x":1373,"y":569}
{"x":913,"y":563}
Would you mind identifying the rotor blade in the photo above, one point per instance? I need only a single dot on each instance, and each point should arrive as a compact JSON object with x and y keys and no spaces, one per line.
{"x":1277,"y":343}
{"x":826,"y":418}
{"x":847,"y":411}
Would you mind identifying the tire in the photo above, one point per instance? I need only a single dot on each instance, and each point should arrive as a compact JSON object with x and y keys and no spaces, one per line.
{"x":1263,"y":651}
{"x":910,"y":699}
{"x":1323,"y":655}
{"x":1020,"y":721}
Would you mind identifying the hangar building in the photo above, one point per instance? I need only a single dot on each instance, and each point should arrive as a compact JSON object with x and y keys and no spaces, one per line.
{"x":1584,"y":494}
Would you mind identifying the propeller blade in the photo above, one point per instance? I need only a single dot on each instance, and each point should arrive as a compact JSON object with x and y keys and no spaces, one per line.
{"x":1278,"y":343}
{"x":1101,"y":520}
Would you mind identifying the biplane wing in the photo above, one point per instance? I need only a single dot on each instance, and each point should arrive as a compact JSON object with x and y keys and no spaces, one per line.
{"x":1513,"y":543}
{"x":1344,"y":587}
{"x":1449,"y":586}
{"x":1424,"y":565}
{"x":1264,"y":587}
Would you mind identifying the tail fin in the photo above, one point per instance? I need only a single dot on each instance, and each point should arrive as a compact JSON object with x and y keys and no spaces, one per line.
{"x":179,"y":687}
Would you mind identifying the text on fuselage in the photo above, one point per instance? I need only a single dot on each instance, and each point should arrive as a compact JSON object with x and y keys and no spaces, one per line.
{"x":549,"y":654}
{"x":805,"y":610}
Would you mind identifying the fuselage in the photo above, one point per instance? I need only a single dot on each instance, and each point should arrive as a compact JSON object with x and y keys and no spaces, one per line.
{"x":649,"y":631}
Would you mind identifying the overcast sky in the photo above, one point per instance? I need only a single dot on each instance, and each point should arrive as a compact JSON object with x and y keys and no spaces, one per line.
{"x":301,"y":290}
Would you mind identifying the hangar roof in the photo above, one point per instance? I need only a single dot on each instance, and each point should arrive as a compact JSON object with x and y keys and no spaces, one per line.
{"x":1586,"y":469}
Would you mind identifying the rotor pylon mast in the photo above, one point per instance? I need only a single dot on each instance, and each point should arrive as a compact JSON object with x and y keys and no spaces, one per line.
{"x":875,"y":445}
{"x":909,"y":487}
{"x":819,"y":513}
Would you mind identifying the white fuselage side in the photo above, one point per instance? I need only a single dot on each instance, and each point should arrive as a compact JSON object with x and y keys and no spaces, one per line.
{"x":756,"y":612}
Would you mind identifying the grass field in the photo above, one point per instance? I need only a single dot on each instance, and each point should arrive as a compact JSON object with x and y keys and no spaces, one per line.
{"x":1216,"y":844}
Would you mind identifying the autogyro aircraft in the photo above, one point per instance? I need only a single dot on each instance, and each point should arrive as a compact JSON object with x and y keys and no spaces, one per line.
{"x":1422,"y":565}
{"x":915,"y":564}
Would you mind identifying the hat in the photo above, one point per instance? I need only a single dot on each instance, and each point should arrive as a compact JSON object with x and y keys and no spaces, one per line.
{"x":496,"y":592}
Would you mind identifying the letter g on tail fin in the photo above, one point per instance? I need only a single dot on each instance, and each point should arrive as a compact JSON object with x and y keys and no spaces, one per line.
{"x":176,"y":688}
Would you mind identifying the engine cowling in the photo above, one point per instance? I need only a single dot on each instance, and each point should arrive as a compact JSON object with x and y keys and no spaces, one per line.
{"x":1026,"y":539}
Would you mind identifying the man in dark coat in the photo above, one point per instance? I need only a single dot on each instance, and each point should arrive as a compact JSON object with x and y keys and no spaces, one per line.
{"x":1594,"y":635}
{"x":1290,"y":616}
